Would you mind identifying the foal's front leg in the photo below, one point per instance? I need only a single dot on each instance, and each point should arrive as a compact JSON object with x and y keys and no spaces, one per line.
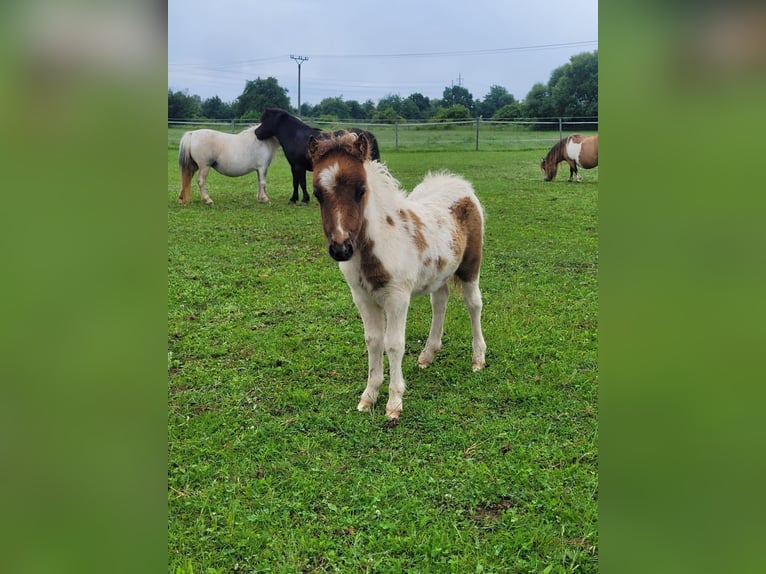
{"x":396,"y":322}
{"x":573,"y":171}
{"x":372,"y":318}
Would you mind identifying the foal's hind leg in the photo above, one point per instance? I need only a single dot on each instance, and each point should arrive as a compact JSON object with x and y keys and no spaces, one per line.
{"x":305,"y":199}
{"x":472,"y":298}
{"x":186,"y":178}
{"x":296,"y":171}
{"x":203,"y":171}
{"x":439,"y":300}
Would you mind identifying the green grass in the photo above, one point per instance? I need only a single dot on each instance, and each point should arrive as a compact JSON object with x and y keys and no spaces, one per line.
{"x":272,"y":469}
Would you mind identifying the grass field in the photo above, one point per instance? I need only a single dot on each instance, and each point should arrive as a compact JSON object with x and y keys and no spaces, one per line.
{"x":270,"y":466}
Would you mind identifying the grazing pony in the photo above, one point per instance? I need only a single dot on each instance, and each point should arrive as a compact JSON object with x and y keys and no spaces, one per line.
{"x":229,"y":154}
{"x":576,"y":150}
{"x":391,"y":246}
{"x":293,"y":136}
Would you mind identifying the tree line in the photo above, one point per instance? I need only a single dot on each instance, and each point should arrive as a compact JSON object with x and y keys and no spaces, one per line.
{"x":571,"y":91}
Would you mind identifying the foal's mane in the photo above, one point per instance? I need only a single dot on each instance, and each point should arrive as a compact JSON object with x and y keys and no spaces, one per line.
{"x":358,"y":146}
{"x":347,"y":142}
{"x":556,"y":153}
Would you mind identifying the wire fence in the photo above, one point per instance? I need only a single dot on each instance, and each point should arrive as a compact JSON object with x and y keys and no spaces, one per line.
{"x":475,"y":134}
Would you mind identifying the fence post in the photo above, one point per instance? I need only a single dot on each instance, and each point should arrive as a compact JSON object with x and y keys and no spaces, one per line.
{"x":478,"y":119}
{"x":232,"y":125}
{"x":561,"y":133}
{"x":396,"y":135}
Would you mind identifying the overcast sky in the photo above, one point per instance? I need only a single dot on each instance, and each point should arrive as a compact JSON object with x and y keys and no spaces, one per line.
{"x":362,"y":50}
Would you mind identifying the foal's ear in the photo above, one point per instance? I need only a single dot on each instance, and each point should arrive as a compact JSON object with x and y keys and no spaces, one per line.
{"x":362,"y":146}
{"x":312,"y":147}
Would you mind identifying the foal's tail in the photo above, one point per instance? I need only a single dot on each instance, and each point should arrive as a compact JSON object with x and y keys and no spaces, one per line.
{"x":188,"y":167}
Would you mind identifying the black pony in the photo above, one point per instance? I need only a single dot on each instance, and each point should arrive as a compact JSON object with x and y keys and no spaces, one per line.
{"x":293,"y":136}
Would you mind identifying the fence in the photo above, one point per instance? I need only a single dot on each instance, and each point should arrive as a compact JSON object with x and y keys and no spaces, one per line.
{"x":476,"y":134}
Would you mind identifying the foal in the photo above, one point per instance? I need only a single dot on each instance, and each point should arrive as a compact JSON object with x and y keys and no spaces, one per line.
{"x":232,"y":155}
{"x":391,"y":246}
{"x":577,"y":150}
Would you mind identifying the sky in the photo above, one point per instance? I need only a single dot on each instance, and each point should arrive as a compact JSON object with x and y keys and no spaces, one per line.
{"x":366,"y":50}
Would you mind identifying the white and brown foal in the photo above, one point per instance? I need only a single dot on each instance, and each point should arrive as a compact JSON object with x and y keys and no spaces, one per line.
{"x":577,"y":150}
{"x":391,"y":246}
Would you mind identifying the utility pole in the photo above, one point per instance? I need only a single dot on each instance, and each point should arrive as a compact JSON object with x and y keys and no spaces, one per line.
{"x":299,"y":60}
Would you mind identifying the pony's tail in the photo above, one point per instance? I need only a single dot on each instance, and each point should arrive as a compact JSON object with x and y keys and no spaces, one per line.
{"x":188,"y":168}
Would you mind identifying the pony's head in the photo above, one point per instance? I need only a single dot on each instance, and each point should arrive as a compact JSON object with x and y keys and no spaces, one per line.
{"x":549,"y":167}
{"x":340,"y":186}
{"x":269,"y":122}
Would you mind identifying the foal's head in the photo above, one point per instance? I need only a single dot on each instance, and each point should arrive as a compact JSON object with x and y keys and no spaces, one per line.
{"x":550,"y":163}
{"x":549,"y":167}
{"x":340,"y":186}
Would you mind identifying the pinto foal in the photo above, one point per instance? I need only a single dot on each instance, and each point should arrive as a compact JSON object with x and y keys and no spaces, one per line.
{"x":391,"y":246}
{"x":577,"y":150}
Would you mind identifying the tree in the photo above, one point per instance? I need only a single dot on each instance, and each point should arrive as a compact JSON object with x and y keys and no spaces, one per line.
{"x":538,"y":103}
{"x":574,"y":86}
{"x":369,"y":108}
{"x":415,"y":107}
{"x":456,"y":112}
{"x":508,"y":112}
{"x":393,"y":101}
{"x":409,"y":110}
{"x":309,"y":111}
{"x":422,"y":102}
{"x":334,"y":108}
{"x":214,"y":109}
{"x":386,"y":115}
{"x":356,"y":111}
{"x":258,"y":95}
{"x":497,"y":97}
{"x":182,"y":106}
{"x":457,"y":96}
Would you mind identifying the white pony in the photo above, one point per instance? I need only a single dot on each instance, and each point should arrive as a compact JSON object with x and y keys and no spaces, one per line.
{"x":229,"y":154}
{"x":391,"y":246}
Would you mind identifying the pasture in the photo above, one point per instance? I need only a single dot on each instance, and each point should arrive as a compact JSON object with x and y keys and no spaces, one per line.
{"x":270,"y":466}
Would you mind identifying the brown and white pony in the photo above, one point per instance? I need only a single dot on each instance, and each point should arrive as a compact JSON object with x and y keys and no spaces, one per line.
{"x":391,"y":246}
{"x":229,"y":154}
{"x":577,"y":150}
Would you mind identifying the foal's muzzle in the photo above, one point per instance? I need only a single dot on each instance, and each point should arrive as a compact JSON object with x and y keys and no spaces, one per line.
{"x":341,"y":251}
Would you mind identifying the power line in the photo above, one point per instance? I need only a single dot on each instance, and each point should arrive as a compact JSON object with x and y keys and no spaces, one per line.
{"x":484,"y":52}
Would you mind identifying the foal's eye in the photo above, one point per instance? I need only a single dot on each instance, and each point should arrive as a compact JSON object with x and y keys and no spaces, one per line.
{"x":360,"y":189}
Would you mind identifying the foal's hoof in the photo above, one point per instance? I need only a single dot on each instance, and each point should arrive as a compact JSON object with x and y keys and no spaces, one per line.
{"x":209,"y":201}
{"x":364,"y":405}
{"x":478,"y":365}
{"x":393,"y":414}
